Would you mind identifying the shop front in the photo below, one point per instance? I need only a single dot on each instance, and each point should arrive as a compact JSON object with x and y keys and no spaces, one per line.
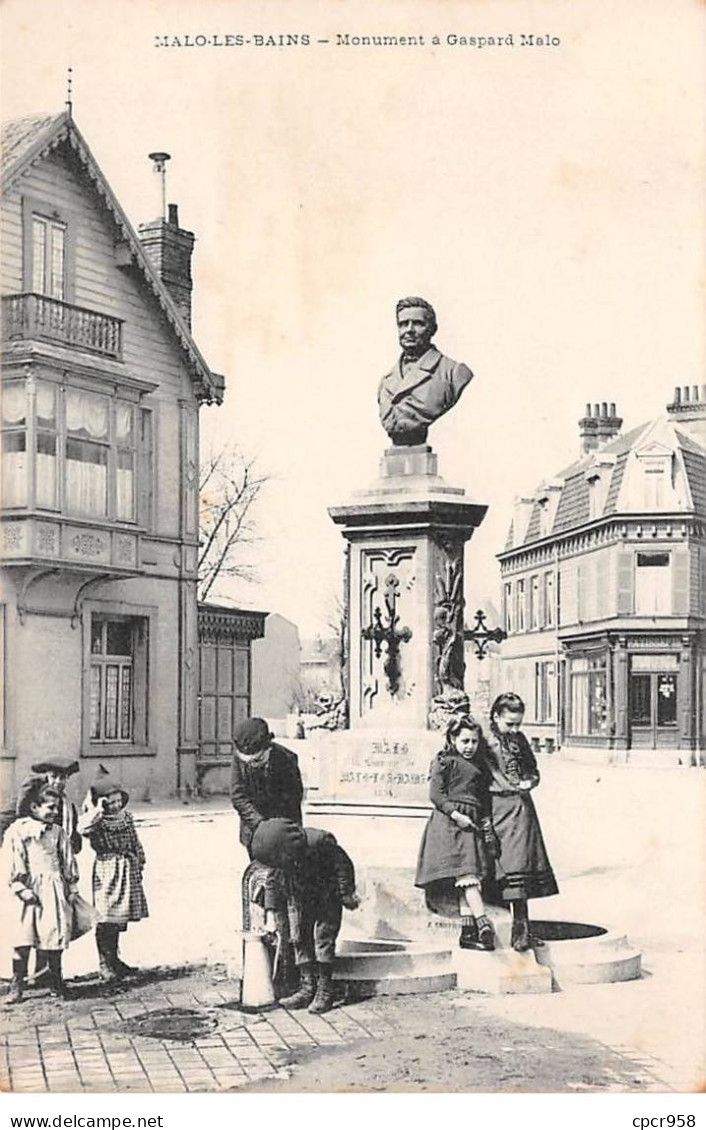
{"x":638,"y":692}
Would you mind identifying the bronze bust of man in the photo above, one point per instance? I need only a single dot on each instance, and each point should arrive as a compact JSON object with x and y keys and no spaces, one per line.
{"x":424,"y":384}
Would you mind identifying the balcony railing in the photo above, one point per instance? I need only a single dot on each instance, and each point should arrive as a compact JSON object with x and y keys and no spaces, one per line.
{"x":31,"y":317}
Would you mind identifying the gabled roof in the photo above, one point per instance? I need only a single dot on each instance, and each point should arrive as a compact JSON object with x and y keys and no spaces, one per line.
{"x":573,"y":509}
{"x":26,"y":141}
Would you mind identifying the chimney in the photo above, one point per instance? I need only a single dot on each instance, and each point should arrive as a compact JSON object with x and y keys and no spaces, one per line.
{"x":167,"y":246}
{"x":598,"y":426}
{"x":689,"y":410}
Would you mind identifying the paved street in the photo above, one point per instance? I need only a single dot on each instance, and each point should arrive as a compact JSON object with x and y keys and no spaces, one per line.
{"x":626,"y":848}
{"x":117,"y":1041}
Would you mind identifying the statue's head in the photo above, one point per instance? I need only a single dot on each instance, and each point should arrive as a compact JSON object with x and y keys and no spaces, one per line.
{"x":416,"y":325}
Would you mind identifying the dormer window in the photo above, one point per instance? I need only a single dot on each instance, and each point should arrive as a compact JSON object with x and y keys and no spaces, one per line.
{"x":545,"y":524}
{"x":595,"y":497}
{"x":654,"y":473}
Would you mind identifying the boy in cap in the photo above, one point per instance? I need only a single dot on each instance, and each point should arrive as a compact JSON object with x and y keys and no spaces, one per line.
{"x":319,"y":882}
{"x":56,"y":771}
{"x":265,"y":781}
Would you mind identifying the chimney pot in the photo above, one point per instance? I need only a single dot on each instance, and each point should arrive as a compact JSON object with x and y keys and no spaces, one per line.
{"x":687,"y":397}
{"x":677,"y":395}
{"x":173,"y":218}
{"x":695,"y":392}
{"x":612,"y":410}
{"x":604,"y":409}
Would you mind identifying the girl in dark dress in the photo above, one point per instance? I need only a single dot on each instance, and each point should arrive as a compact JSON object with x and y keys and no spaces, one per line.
{"x":458,"y":843}
{"x":523,"y":868}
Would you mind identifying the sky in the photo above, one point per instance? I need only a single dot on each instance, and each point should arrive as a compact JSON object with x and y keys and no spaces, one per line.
{"x":548,"y":200}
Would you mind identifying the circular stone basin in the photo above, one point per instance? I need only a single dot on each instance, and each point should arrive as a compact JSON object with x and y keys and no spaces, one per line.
{"x":372,"y":945}
{"x":171,"y":1024}
{"x":565,"y":931}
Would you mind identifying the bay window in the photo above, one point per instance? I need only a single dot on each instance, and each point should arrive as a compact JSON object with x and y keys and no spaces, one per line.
{"x":14,"y":444}
{"x":73,"y":450}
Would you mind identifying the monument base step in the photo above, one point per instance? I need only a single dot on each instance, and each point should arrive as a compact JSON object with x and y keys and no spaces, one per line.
{"x":397,"y":985}
{"x":372,"y":966}
{"x":582,"y":954}
{"x":502,"y":971}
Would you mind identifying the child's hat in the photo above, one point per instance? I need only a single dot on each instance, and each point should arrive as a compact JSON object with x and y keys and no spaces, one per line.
{"x":252,"y":735}
{"x":104,"y":784}
{"x":278,"y":843}
{"x":30,"y":791}
{"x":66,"y":765}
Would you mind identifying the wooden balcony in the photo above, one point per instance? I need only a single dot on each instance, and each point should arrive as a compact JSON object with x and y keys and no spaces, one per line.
{"x":34,"y":317}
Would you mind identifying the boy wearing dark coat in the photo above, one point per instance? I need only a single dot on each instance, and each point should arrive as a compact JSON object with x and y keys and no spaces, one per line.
{"x":265,"y":781}
{"x":319,"y":880}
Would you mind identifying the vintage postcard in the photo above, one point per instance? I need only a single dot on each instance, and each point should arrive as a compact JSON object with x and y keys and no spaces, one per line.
{"x":354,"y":548}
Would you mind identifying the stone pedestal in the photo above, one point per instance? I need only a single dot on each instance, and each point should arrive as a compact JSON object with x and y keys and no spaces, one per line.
{"x":404,"y":591}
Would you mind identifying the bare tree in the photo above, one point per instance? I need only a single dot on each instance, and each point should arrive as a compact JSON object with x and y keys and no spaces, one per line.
{"x":230,"y":483}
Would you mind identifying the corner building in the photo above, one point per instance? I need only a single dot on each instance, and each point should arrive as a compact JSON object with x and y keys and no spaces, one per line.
{"x":604,"y":591}
{"x":101,"y":388}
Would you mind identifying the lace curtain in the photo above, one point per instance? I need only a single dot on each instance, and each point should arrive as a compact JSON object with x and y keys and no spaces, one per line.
{"x":86,"y":414}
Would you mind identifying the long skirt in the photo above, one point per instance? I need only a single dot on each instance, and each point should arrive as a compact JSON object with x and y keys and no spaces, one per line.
{"x":447,"y":853}
{"x":523,"y":870}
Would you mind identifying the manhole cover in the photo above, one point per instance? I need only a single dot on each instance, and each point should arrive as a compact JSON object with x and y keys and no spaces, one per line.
{"x":171,"y":1024}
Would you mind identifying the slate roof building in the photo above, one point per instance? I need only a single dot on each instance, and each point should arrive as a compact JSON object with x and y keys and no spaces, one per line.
{"x":604,"y":590}
{"x":101,"y":387}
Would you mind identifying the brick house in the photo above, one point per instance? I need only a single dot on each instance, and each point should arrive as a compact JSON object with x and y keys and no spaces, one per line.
{"x":102,"y":383}
{"x":604,"y":590}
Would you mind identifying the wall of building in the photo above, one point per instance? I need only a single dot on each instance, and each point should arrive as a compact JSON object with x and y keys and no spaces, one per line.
{"x":45,"y":657}
{"x":46,"y":709}
{"x":275,"y":669}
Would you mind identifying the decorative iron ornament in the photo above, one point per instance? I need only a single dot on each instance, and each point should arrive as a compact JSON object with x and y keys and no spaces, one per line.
{"x":379,"y":633}
{"x":481,"y":636}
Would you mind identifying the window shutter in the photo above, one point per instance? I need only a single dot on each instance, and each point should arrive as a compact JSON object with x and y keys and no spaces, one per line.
{"x":569,"y":593}
{"x":145,"y":471}
{"x":601,"y":585}
{"x":680,"y":579}
{"x":626,"y":583}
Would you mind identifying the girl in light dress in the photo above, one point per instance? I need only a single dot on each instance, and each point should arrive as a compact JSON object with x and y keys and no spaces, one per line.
{"x":46,"y":911}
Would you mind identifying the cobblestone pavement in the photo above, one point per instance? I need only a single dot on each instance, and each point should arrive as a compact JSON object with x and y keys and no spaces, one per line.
{"x":97,"y":1042}
{"x":85,"y":1043}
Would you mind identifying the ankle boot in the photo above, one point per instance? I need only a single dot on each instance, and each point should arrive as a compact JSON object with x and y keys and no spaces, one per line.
{"x":17,"y":985}
{"x":104,"y":947}
{"x":469,"y":933}
{"x":41,"y":978}
{"x":306,"y":991}
{"x":323,"y":1001}
{"x":119,"y":967}
{"x":486,"y":934}
{"x":56,"y":985}
{"x":520,"y":935}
